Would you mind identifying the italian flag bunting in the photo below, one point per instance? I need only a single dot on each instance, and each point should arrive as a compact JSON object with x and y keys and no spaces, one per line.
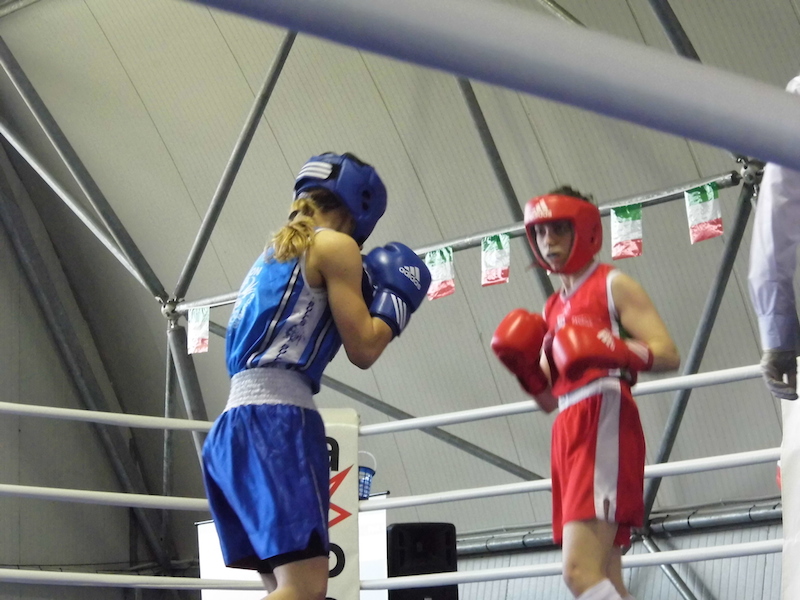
{"x":443,"y":275}
{"x":702,"y":209}
{"x":495,"y":259}
{"x":197,"y":331}
{"x":626,"y":231}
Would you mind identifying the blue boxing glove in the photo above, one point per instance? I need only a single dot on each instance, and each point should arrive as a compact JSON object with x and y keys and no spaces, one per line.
{"x":401,"y":281}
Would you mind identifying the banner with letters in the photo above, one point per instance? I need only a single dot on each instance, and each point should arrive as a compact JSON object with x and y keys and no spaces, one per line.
{"x":341,"y":431}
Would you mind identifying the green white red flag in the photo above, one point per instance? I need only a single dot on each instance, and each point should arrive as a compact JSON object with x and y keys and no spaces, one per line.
{"x":626,"y":231}
{"x":197,"y":330}
{"x":495,"y":259}
{"x":443,"y":274}
{"x":703,"y":212}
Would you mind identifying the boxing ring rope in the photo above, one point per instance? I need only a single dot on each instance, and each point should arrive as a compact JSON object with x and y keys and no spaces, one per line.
{"x":520,"y":50}
{"x":669,"y":384}
{"x":681,"y":467}
{"x":771,"y":136}
{"x":121,"y":499}
{"x":201,"y":504}
{"x":194,"y":504}
{"x":393,"y":583}
{"x":197,"y":504}
{"x":628,"y":562}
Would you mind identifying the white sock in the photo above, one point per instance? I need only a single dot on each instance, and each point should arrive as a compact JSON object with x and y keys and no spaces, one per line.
{"x":604,"y":590}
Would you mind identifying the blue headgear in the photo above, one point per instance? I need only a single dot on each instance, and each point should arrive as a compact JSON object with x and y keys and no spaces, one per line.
{"x":356,"y":184}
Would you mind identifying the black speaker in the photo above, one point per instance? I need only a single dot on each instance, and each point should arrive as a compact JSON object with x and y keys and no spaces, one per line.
{"x":419,"y":549}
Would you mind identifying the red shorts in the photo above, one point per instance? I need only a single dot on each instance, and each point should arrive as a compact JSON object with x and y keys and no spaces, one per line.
{"x":597,"y":460}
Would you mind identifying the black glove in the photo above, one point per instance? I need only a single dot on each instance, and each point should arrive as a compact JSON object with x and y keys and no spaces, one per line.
{"x":775,"y":364}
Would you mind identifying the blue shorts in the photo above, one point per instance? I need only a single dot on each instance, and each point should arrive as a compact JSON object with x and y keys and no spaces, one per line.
{"x":266,"y":472}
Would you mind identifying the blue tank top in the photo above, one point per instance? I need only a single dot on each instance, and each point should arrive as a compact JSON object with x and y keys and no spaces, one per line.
{"x":280,"y":321}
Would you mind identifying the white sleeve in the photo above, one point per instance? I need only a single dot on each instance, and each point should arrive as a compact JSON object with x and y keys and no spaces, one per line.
{"x":773,"y":253}
{"x":773,"y":258}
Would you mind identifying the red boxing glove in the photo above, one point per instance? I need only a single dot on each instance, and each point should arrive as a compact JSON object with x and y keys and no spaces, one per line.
{"x":517,"y":342}
{"x":577,"y":348}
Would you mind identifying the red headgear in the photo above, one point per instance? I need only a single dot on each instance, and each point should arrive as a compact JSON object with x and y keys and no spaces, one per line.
{"x":587,"y":230}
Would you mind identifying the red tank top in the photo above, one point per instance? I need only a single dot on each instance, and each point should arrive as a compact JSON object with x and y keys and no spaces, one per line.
{"x":589,"y":303}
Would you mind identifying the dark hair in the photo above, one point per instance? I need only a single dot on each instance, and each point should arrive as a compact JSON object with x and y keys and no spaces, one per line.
{"x":323,"y":200}
{"x":567,"y":190}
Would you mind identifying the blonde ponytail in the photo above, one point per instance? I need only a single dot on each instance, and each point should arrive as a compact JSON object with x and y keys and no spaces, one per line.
{"x":297,"y":235}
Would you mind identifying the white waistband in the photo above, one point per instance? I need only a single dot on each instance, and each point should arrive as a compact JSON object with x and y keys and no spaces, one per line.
{"x":270,"y":386}
{"x":593,"y":388}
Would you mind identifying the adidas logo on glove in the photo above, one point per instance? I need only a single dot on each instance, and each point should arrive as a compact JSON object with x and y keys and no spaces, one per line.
{"x":400,"y":280}
{"x":413,"y":274}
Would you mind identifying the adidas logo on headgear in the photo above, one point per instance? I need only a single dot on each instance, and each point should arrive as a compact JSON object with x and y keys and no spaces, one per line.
{"x":413,"y":274}
{"x":315,"y":169}
{"x":541,"y":210}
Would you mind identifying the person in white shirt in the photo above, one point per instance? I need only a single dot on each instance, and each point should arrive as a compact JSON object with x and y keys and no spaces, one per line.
{"x":773,"y":260}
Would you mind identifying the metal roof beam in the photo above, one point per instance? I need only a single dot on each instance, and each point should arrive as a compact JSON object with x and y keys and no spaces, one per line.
{"x":232,"y":168}
{"x":501,"y":174}
{"x":79,"y":171}
{"x":700,"y":342}
{"x":76,"y":363}
{"x":12,"y":6}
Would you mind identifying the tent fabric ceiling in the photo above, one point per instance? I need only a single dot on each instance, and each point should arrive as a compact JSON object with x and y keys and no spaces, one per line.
{"x":153,"y":95}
